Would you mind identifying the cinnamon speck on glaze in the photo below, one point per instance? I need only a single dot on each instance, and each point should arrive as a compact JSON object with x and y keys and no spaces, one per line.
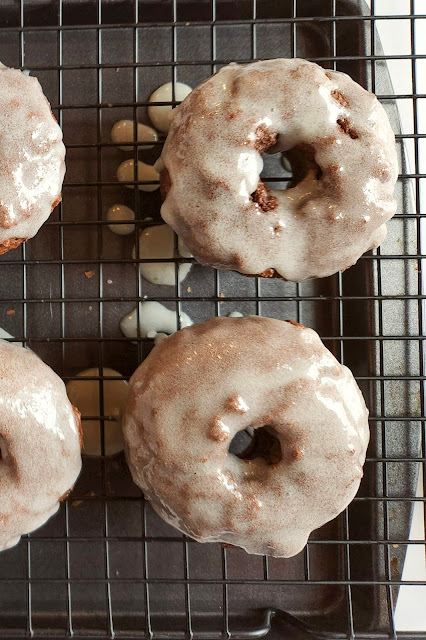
{"x":217,"y":378}
{"x":40,"y":443}
{"x":32,"y":158}
{"x":345,"y":169}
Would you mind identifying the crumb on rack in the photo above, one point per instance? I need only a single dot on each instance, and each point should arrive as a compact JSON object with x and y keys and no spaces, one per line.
{"x":221,"y":294}
{"x":89,"y":274}
{"x":188,"y":289}
{"x":90,"y":307}
{"x":10,"y":312}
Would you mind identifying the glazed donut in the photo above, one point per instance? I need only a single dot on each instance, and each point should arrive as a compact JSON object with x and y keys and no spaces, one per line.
{"x":339,"y":141}
{"x":203,"y":385}
{"x":32,"y":157}
{"x":40,"y":443}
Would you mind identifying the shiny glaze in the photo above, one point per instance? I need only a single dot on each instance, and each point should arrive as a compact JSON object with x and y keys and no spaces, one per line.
{"x":159,"y":242}
{"x":40,"y":443}
{"x":121,"y":213}
{"x":32,"y":157}
{"x":145,"y":172}
{"x":124,"y":131}
{"x":213,"y":159}
{"x":154,"y":318}
{"x":201,"y":386}
{"x":160,"y":115}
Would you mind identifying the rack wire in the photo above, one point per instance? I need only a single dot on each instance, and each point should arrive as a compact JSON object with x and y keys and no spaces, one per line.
{"x":106,"y":566}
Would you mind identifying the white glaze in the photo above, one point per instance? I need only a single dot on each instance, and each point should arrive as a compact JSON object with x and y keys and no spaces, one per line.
{"x":153,"y":317}
{"x":121,"y":213}
{"x":159,"y":242}
{"x":235,"y":314}
{"x":125,"y":173}
{"x":160,"y":115}
{"x":32,"y":156}
{"x":39,"y":441}
{"x":319,"y":226}
{"x":198,"y":388}
{"x":183,"y":249}
{"x":85,"y":394}
{"x":124,"y":131}
{"x":6,"y":335}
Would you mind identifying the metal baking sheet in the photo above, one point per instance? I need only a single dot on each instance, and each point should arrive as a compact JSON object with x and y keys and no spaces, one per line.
{"x":107,"y":564}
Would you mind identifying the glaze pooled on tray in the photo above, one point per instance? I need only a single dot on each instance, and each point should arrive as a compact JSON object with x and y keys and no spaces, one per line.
{"x":341,"y":147}
{"x":124,"y":131}
{"x":154,"y":318}
{"x":32,"y":158}
{"x":159,"y":242}
{"x":121,"y":214}
{"x":145,"y":173}
{"x":160,"y":115}
{"x":40,"y":443}
{"x":85,"y":393}
{"x":203,"y":385}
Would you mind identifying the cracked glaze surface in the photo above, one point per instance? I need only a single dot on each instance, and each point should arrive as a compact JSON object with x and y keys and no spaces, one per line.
{"x":212,"y":160}
{"x":40,"y":443}
{"x":201,"y":386}
{"x":32,"y":157}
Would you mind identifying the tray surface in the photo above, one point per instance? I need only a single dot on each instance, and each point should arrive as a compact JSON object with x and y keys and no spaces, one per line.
{"x":106,"y":563}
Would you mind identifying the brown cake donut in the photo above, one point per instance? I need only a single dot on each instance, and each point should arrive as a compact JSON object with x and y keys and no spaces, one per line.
{"x":200,"y":387}
{"x":40,"y":443}
{"x":32,"y":156}
{"x":339,"y":141}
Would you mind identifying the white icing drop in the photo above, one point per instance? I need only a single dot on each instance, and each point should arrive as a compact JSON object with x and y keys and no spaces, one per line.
{"x":4,"y":335}
{"x":160,"y":115}
{"x":121,"y":213}
{"x":235,"y":314}
{"x":159,"y":242}
{"x":85,"y":394}
{"x":125,"y":173}
{"x":124,"y":131}
{"x":153,"y":317}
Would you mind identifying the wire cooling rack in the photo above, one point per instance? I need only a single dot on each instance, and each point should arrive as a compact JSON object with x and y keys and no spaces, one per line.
{"x":106,"y":566}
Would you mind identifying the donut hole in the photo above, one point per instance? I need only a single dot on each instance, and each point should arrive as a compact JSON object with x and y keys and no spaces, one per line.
{"x":298,"y":163}
{"x":262,"y":442}
{"x":301,"y":159}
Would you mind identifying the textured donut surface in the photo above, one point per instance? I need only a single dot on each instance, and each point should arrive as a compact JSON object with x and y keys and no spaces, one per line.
{"x":342,"y":150}
{"x":40,"y":443}
{"x":32,"y":158}
{"x":204,"y":384}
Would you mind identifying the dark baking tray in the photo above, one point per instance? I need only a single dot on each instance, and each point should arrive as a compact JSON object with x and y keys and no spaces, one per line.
{"x":106,"y":564}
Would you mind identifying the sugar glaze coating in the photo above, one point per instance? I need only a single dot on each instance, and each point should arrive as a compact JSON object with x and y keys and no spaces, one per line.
{"x":40,"y":443}
{"x":343,"y":154}
{"x":201,"y":386}
{"x":32,"y":158}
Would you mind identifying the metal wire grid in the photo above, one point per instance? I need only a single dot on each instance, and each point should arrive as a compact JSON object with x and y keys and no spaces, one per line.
{"x":107,"y":623}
